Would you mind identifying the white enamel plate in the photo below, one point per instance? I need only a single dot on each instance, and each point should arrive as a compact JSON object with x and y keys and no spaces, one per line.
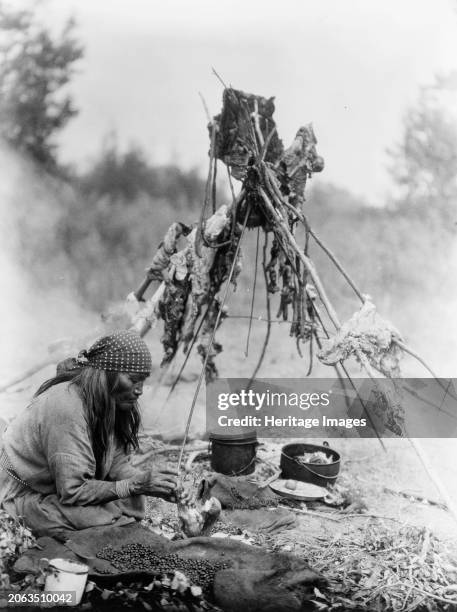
{"x":295,"y":489}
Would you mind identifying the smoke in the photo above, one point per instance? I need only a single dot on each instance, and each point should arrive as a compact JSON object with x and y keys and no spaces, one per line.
{"x":428,"y":318}
{"x":39,"y":305}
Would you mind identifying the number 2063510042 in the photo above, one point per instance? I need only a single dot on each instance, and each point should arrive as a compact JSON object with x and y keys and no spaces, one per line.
{"x":56,"y":598}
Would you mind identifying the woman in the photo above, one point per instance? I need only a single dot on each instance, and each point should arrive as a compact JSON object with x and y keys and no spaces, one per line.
{"x":65,"y":461}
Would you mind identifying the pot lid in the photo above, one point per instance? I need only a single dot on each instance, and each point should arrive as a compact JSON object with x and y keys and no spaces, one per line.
{"x":234,"y":435}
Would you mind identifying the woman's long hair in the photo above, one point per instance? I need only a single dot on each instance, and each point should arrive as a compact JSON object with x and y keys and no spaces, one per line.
{"x":95,"y":388}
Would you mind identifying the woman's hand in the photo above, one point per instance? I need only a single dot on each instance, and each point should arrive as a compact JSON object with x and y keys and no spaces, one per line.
{"x":156,"y":483}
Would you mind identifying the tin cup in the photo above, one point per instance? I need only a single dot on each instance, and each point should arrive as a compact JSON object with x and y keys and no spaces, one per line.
{"x":63,"y":575}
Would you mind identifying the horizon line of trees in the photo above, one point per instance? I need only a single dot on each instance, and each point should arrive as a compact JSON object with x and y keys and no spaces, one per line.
{"x":36,"y":104}
{"x":115,"y":213}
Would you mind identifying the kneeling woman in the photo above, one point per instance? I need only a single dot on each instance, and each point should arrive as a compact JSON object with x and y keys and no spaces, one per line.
{"x":65,"y":461}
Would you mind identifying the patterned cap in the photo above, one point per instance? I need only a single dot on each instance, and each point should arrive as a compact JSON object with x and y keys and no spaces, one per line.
{"x":122,"y":351}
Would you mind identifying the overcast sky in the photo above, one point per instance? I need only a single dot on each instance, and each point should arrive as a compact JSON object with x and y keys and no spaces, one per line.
{"x":352,"y":67}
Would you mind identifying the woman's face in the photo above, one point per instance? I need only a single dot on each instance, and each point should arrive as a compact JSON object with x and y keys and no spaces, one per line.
{"x":128,"y":389}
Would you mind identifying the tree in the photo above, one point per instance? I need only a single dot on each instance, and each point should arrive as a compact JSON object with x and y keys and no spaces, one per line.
{"x":124,"y":176}
{"x":36,"y":68}
{"x":425,"y":162}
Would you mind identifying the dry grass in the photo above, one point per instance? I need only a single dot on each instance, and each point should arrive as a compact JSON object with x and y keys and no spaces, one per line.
{"x":387,"y":567}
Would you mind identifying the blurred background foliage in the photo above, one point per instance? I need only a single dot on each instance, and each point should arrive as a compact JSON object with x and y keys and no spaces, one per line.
{"x":36,"y":68}
{"x":98,"y":229}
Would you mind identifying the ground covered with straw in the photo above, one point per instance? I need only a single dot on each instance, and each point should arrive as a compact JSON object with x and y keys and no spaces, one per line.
{"x":386,"y":567}
{"x":393,"y":548}
{"x":386,"y":551}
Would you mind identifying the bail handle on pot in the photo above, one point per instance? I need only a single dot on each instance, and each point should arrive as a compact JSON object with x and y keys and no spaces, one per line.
{"x":308,"y":469}
{"x":233,"y":453}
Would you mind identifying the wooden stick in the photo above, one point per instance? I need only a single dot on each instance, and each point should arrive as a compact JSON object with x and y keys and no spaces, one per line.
{"x":434,"y":477}
{"x":288,"y":237}
{"x":419,"y":498}
{"x":338,"y":264}
{"x":323,"y":515}
{"x":147,"y":317}
{"x":264,"y":150}
{"x":310,"y":367}
{"x":303,"y":219}
{"x":267,"y":335}
{"x":161,"y":259}
{"x":255,"y":116}
{"x":408,"y":350}
{"x":214,"y":189}
{"x":28,"y":373}
{"x":219,"y":77}
{"x":163,"y":373}
{"x":433,"y":596}
{"x":376,"y":516}
{"x":246,"y":352}
{"x":339,"y":375}
{"x":340,"y":267}
{"x":208,"y":349}
{"x":326,"y":250}
{"x":205,"y":106}
{"x":200,"y":230}
{"x":273,"y":184}
{"x":287,"y":234}
{"x":280,"y":321}
{"x":342,"y":270}
{"x":186,"y":359}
